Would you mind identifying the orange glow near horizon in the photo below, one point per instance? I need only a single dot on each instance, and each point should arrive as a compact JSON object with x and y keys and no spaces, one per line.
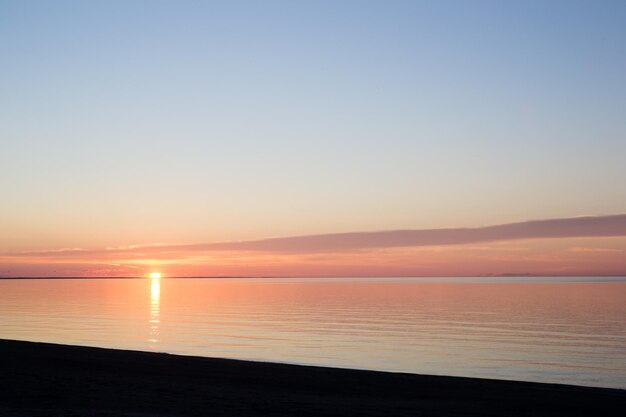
{"x":560,"y":256}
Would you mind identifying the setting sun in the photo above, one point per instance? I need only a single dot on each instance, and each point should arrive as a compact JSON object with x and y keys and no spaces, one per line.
{"x":155,"y":275}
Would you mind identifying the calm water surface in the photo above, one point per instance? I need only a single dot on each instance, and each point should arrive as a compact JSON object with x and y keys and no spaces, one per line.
{"x":549,"y":330}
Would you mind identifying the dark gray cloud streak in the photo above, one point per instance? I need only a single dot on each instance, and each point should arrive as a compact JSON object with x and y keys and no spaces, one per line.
{"x":589,"y":226}
{"x":586,"y":226}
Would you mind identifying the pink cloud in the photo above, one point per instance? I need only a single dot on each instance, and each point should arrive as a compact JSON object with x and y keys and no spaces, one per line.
{"x":576,"y":227}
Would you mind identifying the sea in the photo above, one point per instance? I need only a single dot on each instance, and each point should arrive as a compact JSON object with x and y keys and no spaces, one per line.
{"x":554,"y":330}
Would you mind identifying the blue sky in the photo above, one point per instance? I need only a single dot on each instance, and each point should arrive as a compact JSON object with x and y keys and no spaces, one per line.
{"x":139,"y":122}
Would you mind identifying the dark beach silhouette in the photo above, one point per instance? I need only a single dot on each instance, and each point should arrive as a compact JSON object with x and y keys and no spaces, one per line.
{"x":40,"y":379}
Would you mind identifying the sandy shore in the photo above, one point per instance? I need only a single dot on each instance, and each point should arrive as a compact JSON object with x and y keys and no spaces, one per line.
{"x":39,"y":379}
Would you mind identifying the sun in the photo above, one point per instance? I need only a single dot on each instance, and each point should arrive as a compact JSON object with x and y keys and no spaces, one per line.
{"x":155,"y":275}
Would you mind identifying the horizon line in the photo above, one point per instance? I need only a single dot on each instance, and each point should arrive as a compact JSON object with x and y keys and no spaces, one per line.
{"x":144,"y":277}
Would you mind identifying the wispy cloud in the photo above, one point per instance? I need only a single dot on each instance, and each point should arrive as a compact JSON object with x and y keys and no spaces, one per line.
{"x":595,"y":250}
{"x":576,"y":227}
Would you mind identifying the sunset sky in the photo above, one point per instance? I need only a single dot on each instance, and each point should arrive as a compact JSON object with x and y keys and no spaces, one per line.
{"x":186,"y":137}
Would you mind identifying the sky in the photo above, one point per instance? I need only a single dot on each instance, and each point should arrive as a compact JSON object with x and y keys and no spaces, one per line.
{"x":185,"y":125}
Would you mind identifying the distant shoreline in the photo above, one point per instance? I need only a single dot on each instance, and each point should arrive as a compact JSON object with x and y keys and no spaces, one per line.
{"x":323,"y":277}
{"x":62,"y":380}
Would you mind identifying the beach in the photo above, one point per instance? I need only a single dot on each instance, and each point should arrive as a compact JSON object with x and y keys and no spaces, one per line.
{"x":41,"y":379}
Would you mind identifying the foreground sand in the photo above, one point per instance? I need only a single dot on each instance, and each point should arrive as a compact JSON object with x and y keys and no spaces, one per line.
{"x":38,"y":379}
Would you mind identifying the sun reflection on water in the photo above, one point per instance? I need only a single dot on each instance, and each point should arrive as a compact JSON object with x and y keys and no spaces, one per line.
{"x":155,"y":310}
